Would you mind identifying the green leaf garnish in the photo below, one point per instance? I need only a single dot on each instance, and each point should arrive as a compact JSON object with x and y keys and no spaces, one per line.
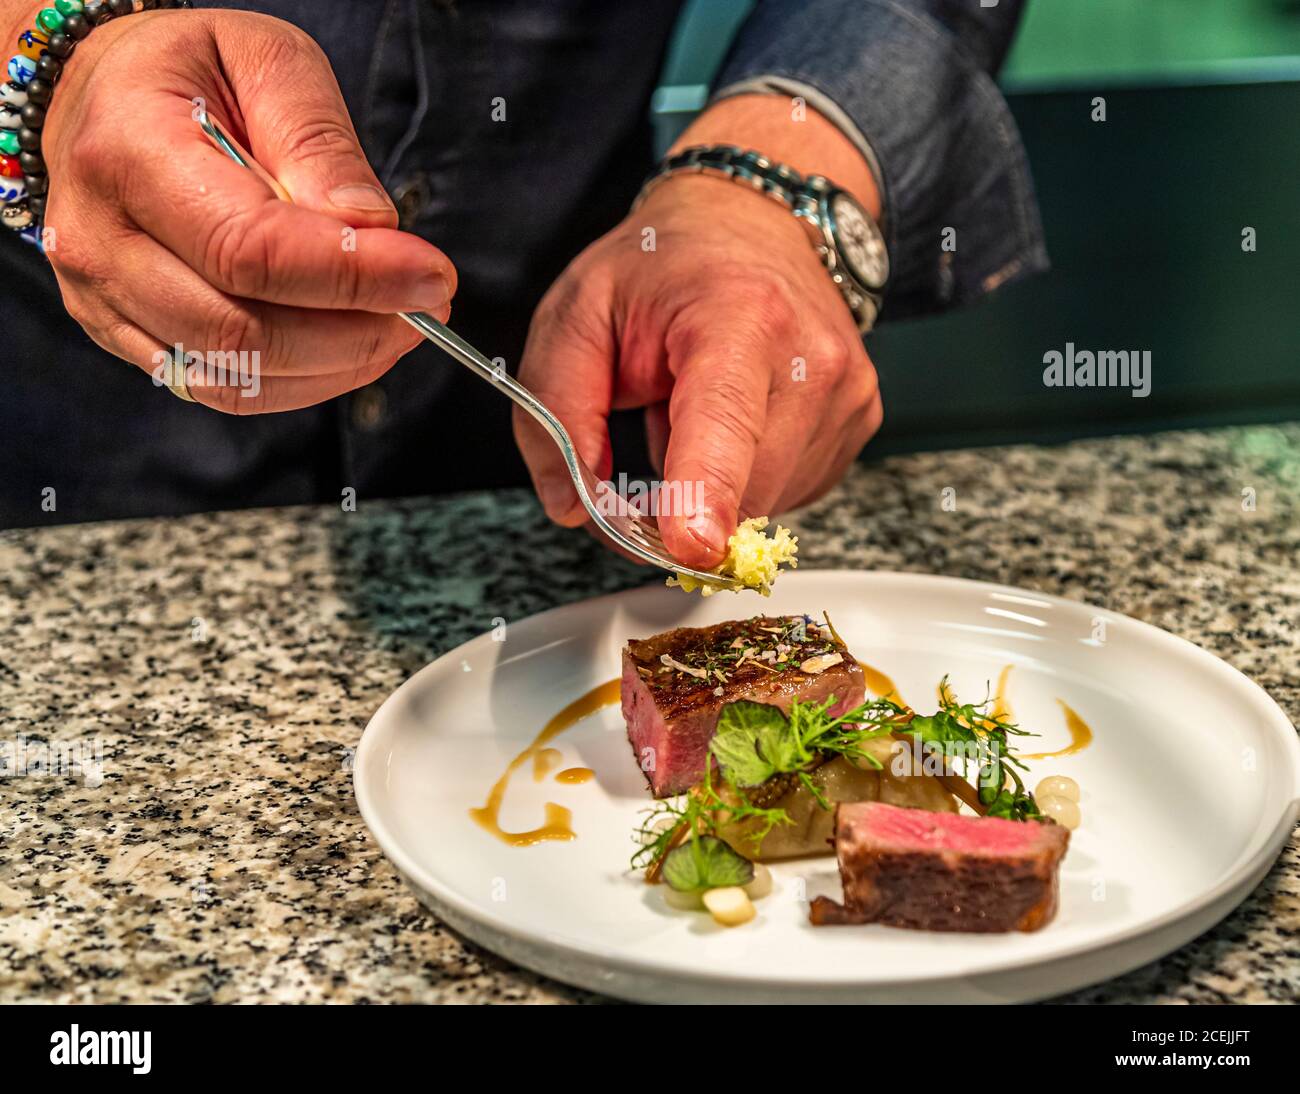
{"x":755,"y":741}
{"x":705,"y":863}
{"x":752,"y":743}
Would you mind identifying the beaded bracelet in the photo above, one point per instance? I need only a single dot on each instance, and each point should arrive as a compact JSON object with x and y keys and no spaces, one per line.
{"x":24,"y":99}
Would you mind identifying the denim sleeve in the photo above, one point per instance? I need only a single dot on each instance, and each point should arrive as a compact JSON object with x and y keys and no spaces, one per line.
{"x":911,"y":82}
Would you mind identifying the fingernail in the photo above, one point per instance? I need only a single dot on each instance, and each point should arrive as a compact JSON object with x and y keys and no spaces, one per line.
{"x":360,"y":195}
{"x":706,"y":528}
{"x":430,"y":292}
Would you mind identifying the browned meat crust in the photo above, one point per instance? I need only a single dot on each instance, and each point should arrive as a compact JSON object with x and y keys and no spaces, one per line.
{"x":953,"y":885}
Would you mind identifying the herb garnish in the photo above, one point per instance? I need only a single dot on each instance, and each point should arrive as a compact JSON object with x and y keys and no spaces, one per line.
{"x":770,"y":644}
{"x":983,"y":739}
{"x":755,"y":741}
{"x":682,"y":823}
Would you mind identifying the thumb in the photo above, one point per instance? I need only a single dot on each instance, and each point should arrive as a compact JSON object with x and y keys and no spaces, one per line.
{"x":298,"y":125}
{"x":718,"y":410}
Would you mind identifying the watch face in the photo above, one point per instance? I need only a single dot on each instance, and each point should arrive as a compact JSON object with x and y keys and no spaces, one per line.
{"x":859,"y":242}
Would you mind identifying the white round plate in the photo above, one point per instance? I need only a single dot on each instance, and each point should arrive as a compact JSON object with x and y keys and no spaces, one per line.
{"x":1190,"y":788}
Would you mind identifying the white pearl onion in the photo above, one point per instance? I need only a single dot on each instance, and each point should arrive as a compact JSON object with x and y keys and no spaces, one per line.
{"x":1058,"y":786}
{"x":683,"y":902}
{"x":761,"y":884}
{"x":1061,"y":810}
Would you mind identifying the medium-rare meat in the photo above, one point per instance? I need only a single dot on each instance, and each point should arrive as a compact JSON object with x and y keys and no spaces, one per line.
{"x":943,"y":871}
{"x":676,"y":684}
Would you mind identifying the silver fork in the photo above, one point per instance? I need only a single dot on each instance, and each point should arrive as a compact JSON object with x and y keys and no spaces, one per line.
{"x":635,"y":532}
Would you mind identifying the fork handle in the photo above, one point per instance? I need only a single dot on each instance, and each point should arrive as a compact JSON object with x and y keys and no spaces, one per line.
{"x":447,"y":339}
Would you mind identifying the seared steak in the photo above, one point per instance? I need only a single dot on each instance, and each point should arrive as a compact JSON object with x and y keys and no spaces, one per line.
{"x":672,"y":706}
{"x":943,"y":871}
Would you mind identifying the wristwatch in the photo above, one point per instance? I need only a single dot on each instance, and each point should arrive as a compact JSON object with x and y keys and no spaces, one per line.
{"x":845,"y":236}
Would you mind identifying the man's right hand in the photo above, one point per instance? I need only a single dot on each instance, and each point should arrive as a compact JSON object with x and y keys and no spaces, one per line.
{"x":158,"y":238}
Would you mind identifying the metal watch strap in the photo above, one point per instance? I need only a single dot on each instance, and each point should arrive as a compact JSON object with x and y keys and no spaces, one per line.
{"x":802,"y":196}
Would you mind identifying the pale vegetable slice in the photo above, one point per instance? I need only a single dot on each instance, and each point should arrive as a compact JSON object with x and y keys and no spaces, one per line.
{"x":730,"y":906}
{"x":1061,"y":810}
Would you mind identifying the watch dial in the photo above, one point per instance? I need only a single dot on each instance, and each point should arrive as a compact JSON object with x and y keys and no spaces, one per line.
{"x":859,"y":242}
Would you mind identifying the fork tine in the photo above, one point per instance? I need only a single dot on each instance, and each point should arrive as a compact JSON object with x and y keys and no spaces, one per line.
{"x":649,"y":531}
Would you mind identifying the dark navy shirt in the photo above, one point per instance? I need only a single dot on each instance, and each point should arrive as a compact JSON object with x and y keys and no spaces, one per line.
{"x":511,"y":202}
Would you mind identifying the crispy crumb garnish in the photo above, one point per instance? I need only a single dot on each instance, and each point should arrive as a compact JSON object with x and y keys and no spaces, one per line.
{"x":753,"y":558}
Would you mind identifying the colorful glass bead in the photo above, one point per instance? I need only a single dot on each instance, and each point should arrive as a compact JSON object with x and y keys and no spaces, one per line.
{"x":10,"y":168}
{"x":50,"y":20}
{"x":21,"y":69}
{"x":69,"y":7}
{"x":16,"y":216}
{"x":12,"y":93}
{"x":10,"y":117}
{"x":9,"y":142}
{"x":31,"y":43}
{"x":12,"y":190}
{"x":32,"y":234}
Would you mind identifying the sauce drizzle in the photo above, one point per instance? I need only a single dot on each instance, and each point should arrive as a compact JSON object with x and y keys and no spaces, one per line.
{"x":879,"y":684}
{"x":575,"y":775}
{"x":1080,"y":736}
{"x":1001,"y":707}
{"x":557,"y":824}
{"x":545,"y":761}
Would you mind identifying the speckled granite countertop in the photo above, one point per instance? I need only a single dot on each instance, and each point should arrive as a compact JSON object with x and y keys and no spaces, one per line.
{"x":220,"y":668}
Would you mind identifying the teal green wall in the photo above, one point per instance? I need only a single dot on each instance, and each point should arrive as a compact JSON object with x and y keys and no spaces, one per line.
{"x":1073,"y":40}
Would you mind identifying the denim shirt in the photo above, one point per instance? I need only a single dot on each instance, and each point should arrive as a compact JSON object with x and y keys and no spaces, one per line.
{"x":512,"y":202}
{"x":911,"y":82}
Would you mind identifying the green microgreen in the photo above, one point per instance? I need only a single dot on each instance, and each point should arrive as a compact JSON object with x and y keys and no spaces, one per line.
{"x":983,"y":739}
